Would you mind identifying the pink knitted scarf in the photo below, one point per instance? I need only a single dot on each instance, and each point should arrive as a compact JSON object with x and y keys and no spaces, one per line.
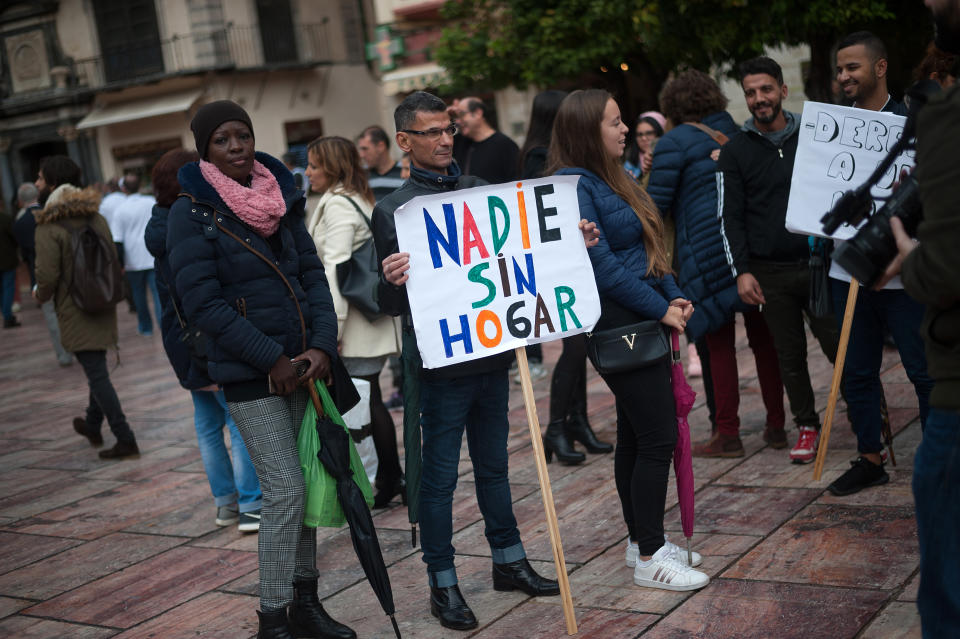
{"x":261,"y":206}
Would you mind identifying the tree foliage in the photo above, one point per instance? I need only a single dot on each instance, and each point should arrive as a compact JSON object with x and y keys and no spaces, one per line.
{"x":491,"y":44}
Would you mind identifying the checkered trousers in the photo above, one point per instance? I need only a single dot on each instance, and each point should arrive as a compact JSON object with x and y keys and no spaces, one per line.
{"x":287,"y":548}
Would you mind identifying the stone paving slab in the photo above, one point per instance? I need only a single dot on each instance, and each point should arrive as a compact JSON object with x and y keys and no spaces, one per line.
{"x":92,"y":549}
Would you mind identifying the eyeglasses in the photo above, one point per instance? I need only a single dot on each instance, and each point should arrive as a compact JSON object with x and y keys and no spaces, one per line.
{"x":434,"y":133}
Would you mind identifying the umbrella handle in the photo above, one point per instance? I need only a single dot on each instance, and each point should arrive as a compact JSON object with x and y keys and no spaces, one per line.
{"x":315,"y":397}
{"x":675,"y":343}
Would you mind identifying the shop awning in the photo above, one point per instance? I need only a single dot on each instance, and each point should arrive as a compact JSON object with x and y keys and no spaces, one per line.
{"x":139,"y":109}
{"x":413,"y":78}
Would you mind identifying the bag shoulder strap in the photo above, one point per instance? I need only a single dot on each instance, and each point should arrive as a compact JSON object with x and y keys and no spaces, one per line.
{"x":359,"y":210}
{"x":719,"y":137}
{"x":268,"y":262}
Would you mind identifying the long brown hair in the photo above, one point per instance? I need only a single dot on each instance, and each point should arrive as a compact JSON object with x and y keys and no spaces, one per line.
{"x":576,"y":142}
{"x":339,"y":160}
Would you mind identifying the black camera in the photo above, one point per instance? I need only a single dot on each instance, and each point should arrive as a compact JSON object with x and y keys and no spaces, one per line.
{"x":866,"y":255}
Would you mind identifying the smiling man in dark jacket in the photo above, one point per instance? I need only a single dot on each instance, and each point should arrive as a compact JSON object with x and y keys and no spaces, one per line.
{"x":769,"y":263}
{"x":470,"y":396}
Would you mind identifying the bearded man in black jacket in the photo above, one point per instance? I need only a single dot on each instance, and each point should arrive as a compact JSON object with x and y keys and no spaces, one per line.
{"x":770,"y":264}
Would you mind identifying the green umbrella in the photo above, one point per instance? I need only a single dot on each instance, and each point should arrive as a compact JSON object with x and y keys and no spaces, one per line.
{"x":411,"y":365}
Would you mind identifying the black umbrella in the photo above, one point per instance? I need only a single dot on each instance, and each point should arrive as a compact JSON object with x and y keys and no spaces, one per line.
{"x":335,"y":456}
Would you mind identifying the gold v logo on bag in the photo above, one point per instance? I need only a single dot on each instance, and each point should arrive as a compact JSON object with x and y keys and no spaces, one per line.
{"x":629,"y":339}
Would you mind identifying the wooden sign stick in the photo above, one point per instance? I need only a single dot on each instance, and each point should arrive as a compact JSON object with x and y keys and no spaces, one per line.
{"x":837,"y":376}
{"x":545,"y":490}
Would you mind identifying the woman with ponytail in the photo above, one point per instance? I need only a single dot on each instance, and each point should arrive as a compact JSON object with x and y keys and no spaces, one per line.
{"x":635,"y":284}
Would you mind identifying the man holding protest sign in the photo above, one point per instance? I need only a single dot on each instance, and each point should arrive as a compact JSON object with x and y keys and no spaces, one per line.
{"x":771,"y":264}
{"x":861,"y":72}
{"x":471,"y":395}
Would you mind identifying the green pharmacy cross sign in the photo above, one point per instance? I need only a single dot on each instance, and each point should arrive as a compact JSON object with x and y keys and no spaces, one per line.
{"x":385,"y":49}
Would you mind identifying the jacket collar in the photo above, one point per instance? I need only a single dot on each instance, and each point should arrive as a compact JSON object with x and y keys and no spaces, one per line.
{"x":436,"y":180}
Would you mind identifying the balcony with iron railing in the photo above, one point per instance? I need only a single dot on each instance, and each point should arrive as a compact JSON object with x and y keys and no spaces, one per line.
{"x":248,"y":47}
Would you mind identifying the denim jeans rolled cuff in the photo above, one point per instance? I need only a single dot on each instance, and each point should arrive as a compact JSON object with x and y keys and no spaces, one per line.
{"x":508,"y":555}
{"x":442,"y":578}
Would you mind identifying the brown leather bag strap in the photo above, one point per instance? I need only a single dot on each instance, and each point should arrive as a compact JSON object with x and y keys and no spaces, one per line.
{"x":293,"y":295}
{"x":719,"y":137}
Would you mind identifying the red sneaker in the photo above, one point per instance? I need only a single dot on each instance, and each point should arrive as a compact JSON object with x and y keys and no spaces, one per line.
{"x":806,"y":449}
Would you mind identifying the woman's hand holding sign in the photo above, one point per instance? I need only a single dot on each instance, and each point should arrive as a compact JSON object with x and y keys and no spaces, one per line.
{"x":395,"y":268}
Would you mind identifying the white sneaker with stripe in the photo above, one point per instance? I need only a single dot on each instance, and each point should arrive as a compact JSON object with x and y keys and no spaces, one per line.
{"x":666,"y":571}
{"x":633,"y":552}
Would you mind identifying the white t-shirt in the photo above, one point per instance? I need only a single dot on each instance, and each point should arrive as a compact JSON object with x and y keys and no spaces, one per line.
{"x":130,"y":224}
{"x":108,"y":206}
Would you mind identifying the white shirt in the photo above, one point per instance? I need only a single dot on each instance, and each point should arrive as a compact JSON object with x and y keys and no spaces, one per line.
{"x":130,"y":224}
{"x":108,"y":206}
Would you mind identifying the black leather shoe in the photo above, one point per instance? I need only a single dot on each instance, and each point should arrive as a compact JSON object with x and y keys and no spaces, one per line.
{"x":555,"y":441}
{"x":273,"y":625}
{"x":309,"y":620}
{"x":120,"y":450}
{"x":388,"y":491}
{"x":81,"y":428}
{"x":447,"y":605}
{"x":578,"y":429}
{"x":519,"y":575}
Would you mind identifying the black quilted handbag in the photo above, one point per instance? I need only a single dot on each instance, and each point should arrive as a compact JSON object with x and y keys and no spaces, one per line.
{"x":628,"y":348}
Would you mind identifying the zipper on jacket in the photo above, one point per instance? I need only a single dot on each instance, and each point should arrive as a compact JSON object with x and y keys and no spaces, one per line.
{"x":242,"y":306}
{"x":780,"y":151}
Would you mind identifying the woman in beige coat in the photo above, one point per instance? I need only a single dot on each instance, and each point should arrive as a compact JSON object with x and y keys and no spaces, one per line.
{"x":339,"y":226}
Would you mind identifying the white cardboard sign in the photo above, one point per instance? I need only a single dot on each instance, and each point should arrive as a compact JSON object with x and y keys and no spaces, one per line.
{"x":496,"y":267}
{"x":838,"y":149}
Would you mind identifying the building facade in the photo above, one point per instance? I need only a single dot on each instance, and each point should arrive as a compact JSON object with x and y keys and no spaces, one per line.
{"x":115,"y":83}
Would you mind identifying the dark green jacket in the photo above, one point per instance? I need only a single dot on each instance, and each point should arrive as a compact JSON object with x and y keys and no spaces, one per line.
{"x":931,"y":274}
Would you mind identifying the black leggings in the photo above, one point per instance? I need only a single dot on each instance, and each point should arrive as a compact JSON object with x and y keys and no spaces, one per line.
{"x":384,"y":434}
{"x":568,"y":387}
{"x":646,"y":437}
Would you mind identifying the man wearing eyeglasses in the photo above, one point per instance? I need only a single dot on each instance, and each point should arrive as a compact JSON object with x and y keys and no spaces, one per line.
{"x":470,"y":396}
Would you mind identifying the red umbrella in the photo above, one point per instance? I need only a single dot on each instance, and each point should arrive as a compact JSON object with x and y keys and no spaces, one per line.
{"x":683,"y":397}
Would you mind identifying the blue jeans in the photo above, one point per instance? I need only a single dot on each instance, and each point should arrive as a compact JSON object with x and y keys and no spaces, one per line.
{"x":936,"y":491}
{"x":8,"y":285}
{"x":876,"y":310}
{"x":139,"y":282}
{"x":479,"y":404}
{"x":230,"y":481}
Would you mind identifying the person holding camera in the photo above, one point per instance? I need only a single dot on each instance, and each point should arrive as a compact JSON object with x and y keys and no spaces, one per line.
{"x":249,"y":277}
{"x":861,"y":72}
{"x":929,"y":269}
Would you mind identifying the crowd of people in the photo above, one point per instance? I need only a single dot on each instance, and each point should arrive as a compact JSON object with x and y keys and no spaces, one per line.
{"x":684,"y":219}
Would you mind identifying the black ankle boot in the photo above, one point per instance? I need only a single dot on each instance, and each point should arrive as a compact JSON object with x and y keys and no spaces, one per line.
{"x":578,"y":429}
{"x":273,"y":625}
{"x":309,"y":619}
{"x":448,"y":605}
{"x":520,"y":575}
{"x":555,"y":441}
{"x":388,"y":490}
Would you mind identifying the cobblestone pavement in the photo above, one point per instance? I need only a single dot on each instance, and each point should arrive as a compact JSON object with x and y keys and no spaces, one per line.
{"x":129,"y":549}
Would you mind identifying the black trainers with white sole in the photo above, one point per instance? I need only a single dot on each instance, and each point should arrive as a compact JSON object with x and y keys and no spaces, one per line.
{"x":249,"y":522}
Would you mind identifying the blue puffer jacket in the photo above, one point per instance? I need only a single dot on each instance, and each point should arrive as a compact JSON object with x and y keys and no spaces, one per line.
{"x":683,"y":183}
{"x":620,"y":259}
{"x":190,"y":375}
{"x":241,"y":302}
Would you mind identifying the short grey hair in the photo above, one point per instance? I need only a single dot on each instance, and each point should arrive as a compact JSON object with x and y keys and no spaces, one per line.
{"x":417,"y":102}
{"x":27,"y":193}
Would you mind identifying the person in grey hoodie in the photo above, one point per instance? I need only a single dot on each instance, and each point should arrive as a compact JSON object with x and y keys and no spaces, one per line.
{"x":770,"y":264}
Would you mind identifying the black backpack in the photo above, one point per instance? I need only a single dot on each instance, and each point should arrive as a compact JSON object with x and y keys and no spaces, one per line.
{"x":97,"y":283}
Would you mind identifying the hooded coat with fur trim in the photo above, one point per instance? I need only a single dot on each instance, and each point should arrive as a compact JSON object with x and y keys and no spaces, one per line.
{"x":79,"y":330}
{"x":242,"y":303}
